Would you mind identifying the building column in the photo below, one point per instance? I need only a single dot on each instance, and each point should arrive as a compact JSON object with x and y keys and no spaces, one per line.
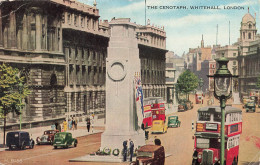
{"x":38,"y":30}
{"x":94,"y":101}
{"x":88,"y":101}
{"x":60,"y":38}
{"x":1,"y":30}
{"x":12,"y":30}
{"x":25,"y":33}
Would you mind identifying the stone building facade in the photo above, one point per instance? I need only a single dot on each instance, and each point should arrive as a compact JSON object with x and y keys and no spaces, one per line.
{"x":31,"y":40}
{"x":60,"y":47}
{"x":85,"y":42}
{"x":249,"y":55}
{"x":152,"y":50}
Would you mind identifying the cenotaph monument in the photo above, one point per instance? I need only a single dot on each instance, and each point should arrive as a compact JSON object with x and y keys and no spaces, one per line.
{"x":122,"y":65}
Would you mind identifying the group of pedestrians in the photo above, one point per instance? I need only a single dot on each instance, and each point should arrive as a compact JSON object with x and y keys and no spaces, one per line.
{"x":72,"y":124}
{"x":131,"y":149}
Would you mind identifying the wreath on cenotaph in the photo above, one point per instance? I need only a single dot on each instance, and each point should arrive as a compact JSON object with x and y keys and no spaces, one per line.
{"x":116,"y":152}
{"x":106,"y":151}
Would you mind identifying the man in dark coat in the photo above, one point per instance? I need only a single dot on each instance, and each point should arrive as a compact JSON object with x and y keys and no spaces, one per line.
{"x":125,"y":150}
{"x":131,"y":146}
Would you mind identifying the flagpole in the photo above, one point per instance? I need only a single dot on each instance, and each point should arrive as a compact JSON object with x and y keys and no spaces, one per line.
{"x":145,"y":13}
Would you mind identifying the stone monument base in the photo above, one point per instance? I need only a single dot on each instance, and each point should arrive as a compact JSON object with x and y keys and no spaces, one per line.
{"x":99,"y":158}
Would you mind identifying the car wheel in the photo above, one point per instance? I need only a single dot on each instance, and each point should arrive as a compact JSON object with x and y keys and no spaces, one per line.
{"x":10,"y":148}
{"x":55,"y":147}
{"x":75,"y":144}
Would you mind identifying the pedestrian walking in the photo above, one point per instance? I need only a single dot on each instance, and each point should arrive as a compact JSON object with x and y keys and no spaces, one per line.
{"x":53,"y":126}
{"x":73,"y":123}
{"x":59,"y":127}
{"x":124,"y":150}
{"x":88,"y":124}
{"x":65,"y":125}
{"x":131,"y":148}
{"x":70,"y":124}
{"x":76,"y":123}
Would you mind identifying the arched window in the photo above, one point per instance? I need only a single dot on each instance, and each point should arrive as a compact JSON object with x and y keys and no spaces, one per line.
{"x":249,"y":35}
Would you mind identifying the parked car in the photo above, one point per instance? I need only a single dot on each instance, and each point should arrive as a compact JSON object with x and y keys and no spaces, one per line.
{"x":150,"y":154}
{"x":19,"y":140}
{"x":47,"y":137}
{"x":173,"y":121}
{"x":250,"y":106}
{"x":64,"y":139}
{"x":159,"y":126}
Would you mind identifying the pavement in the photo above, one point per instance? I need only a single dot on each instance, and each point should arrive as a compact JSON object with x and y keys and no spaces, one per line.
{"x":81,"y":131}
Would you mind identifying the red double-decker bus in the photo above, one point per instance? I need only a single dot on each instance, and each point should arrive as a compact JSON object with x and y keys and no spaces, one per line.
{"x":199,"y":97}
{"x":148,"y":120}
{"x":207,"y":137}
{"x":158,"y":108}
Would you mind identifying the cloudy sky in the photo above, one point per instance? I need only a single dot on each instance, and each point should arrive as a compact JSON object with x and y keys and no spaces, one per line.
{"x":184,"y":27}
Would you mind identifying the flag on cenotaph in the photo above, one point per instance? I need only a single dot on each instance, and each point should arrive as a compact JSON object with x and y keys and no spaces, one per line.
{"x":139,"y":99}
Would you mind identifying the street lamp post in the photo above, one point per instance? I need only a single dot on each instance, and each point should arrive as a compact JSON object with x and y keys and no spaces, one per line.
{"x":222,"y":92}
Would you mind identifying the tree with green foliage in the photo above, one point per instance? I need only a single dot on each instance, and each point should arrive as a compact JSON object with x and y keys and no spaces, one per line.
{"x":12,"y":91}
{"x":187,"y":82}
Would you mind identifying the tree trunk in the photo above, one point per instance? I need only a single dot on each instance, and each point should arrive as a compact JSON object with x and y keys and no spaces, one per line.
{"x":4,"y":127}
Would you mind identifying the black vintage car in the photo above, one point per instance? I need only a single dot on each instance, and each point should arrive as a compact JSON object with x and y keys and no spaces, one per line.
{"x":19,"y":140}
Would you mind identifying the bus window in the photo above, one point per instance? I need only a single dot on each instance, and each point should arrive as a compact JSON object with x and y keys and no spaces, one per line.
{"x":217,"y":117}
{"x":162,"y":105}
{"x":204,"y":116}
{"x":162,"y":112}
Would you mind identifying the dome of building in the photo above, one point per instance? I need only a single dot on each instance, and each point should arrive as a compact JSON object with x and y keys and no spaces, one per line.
{"x":248,"y":18}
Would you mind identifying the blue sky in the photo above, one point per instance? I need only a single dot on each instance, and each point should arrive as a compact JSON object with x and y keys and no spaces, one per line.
{"x":184,"y":27}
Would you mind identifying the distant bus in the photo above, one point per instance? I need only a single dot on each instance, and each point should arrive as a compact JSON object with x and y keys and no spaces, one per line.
{"x":207,"y":136}
{"x":158,"y":108}
{"x":148,"y":120}
{"x":199,"y":97}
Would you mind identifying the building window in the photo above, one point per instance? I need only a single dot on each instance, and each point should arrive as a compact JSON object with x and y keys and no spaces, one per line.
{"x":244,"y":35}
{"x":82,"y":22}
{"x":200,"y":56}
{"x":234,"y":63}
{"x":234,"y":54}
{"x":249,"y":35}
{"x":69,"y":18}
{"x":250,"y":26}
{"x":76,"y":20}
